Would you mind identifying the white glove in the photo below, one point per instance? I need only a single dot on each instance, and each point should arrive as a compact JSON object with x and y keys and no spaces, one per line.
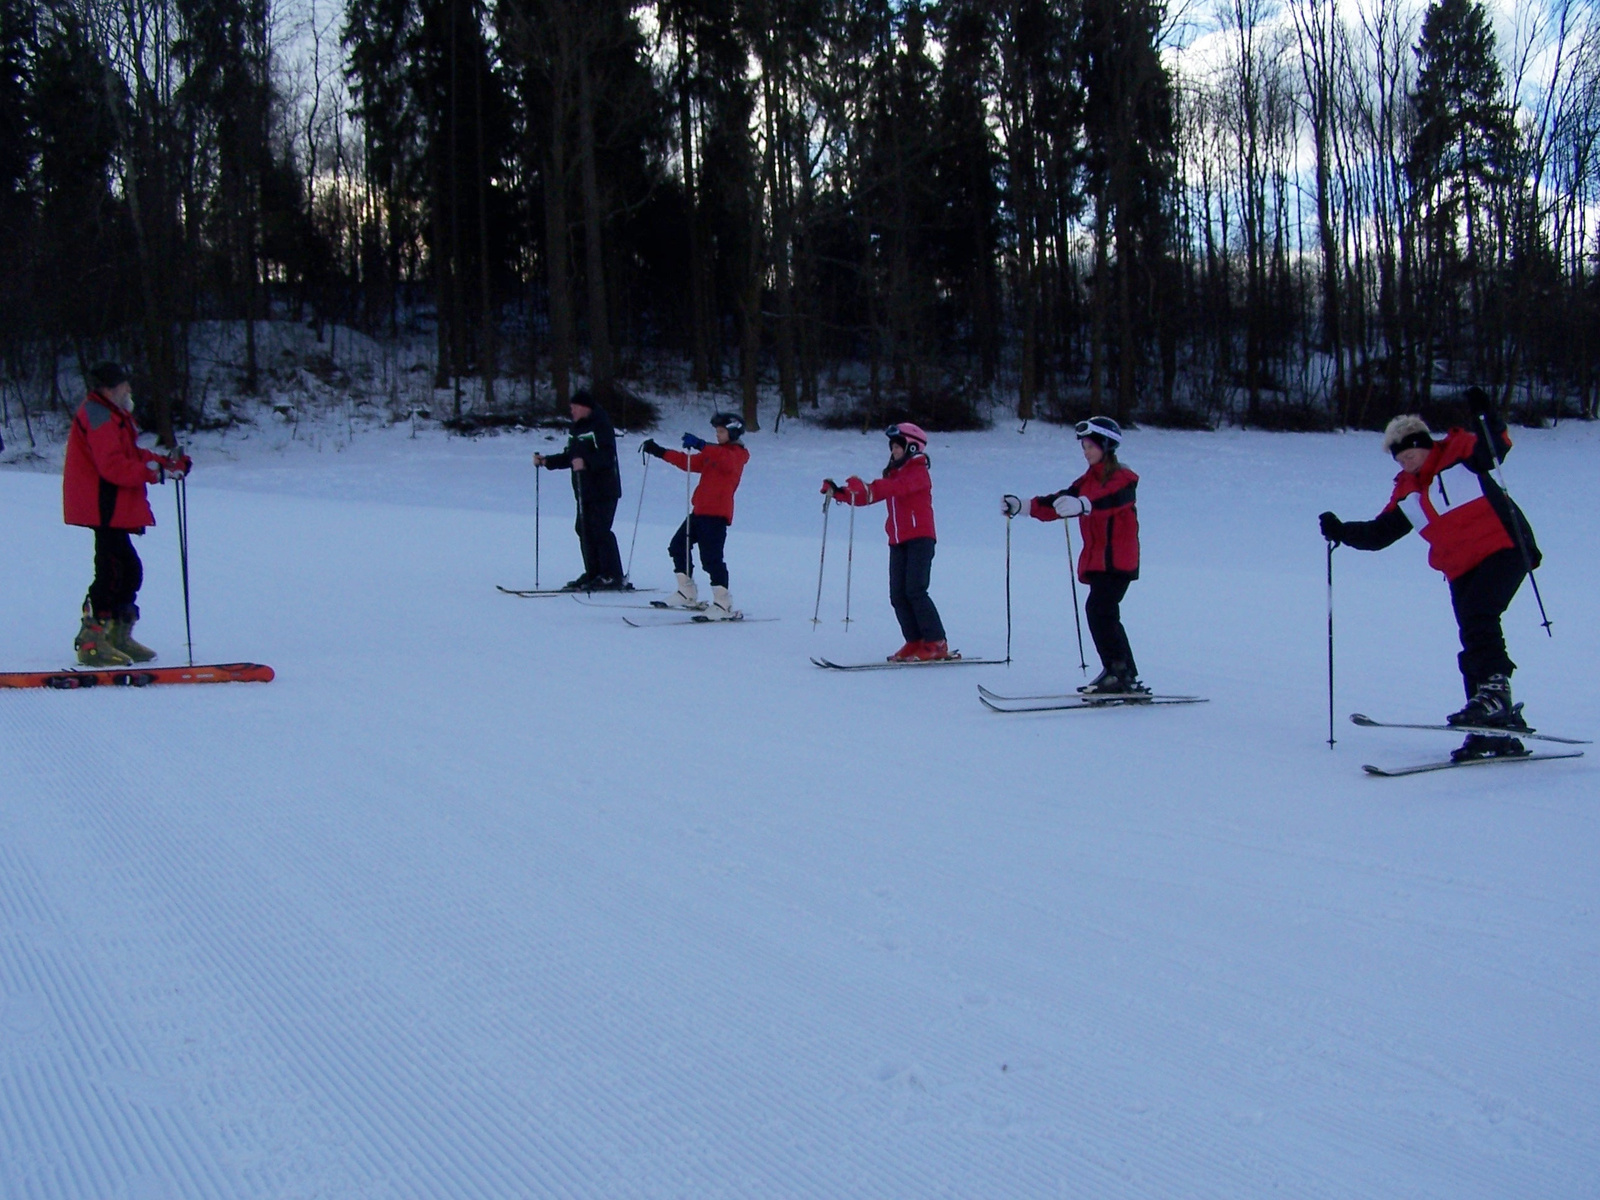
{"x":1071,"y":506}
{"x":1011,"y":505}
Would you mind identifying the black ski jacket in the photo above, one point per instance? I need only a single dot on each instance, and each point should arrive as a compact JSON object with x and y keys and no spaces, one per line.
{"x":595,"y":441}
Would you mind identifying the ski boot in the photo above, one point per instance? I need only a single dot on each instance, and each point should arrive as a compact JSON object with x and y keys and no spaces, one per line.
{"x":1118,"y":679}
{"x":907,"y":653}
{"x":1490,"y":706}
{"x":581,"y":584}
{"x":933,"y":651}
{"x":688,"y":593}
{"x":94,"y":647}
{"x":608,"y":583}
{"x":1484,"y":745}
{"x":1096,"y":681}
{"x":119,"y":632}
{"x":721,"y":608}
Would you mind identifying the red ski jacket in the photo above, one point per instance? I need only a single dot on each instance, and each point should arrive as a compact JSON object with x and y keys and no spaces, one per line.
{"x":1110,"y":528}
{"x":720,"y":468}
{"x":907,"y":488}
{"x":1454,"y":502}
{"x":102,"y":485}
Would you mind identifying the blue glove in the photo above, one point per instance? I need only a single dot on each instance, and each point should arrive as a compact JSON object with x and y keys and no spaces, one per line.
{"x":690,"y":442}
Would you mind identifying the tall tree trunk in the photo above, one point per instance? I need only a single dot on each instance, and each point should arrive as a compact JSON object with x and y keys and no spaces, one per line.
{"x":600,"y":365}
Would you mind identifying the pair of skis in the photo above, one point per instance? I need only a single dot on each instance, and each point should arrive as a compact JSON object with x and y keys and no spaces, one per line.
{"x":1367,"y":722}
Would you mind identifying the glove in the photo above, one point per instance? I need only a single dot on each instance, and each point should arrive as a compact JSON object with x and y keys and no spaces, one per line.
{"x":177,"y":467}
{"x":1071,"y":506}
{"x":1332,"y":527}
{"x":857,"y":488}
{"x":690,"y":442}
{"x":653,"y":448}
{"x":830,"y":488}
{"x":1479,"y":403}
{"x":1010,"y":505}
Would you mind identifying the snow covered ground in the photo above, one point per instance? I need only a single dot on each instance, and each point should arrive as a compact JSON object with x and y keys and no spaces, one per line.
{"x":490,"y":897}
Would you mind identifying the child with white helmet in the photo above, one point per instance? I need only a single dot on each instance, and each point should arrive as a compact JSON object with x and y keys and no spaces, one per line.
{"x":907,"y":488}
{"x":1102,"y":499}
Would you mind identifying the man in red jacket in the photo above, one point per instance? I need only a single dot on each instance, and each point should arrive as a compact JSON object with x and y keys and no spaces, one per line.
{"x":1477,"y":538}
{"x":720,"y":466}
{"x":103,"y":489}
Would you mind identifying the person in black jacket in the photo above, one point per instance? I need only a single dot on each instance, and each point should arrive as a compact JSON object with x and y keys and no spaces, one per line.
{"x":591,"y":456}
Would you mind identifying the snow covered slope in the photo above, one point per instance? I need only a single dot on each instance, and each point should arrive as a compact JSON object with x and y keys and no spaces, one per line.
{"x":488,"y":897}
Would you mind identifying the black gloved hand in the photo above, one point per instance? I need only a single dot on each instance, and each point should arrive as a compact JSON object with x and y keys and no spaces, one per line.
{"x":1010,"y":505}
{"x":653,"y":448}
{"x":1332,"y":527}
{"x":1479,"y":403}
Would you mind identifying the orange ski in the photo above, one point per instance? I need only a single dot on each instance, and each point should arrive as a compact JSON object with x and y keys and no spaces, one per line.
{"x":137,"y":676}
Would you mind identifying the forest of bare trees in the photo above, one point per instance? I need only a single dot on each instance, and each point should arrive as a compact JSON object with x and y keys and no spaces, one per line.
{"x":1295,"y":214}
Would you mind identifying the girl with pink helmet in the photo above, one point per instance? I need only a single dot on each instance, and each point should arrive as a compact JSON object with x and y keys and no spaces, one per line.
{"x":907,"y":489}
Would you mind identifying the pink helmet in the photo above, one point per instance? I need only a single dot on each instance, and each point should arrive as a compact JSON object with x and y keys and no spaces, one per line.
{"x":912,"y":435}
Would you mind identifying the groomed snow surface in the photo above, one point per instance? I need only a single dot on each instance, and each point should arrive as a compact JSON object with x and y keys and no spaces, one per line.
{"x":491,"y":897}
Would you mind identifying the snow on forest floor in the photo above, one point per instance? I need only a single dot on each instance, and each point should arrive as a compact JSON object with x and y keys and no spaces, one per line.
{"x":490,"y":897}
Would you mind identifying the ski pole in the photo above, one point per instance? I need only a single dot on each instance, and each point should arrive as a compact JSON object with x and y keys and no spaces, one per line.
{"x":816,"y":612}
{"x":688,"y":511}
{"x":536,"y":471}
{"x":1072,"y":574}
{"x":1516,"y":522}
{"x":583,"y":526}
{"x":627,"y":572}
{"x":181,"y":495}
{"x":849,"y":563}
{"x":1008,"y":587}
{"x":1331,"y":545}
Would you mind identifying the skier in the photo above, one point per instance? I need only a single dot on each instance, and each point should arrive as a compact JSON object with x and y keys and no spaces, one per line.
{"x":1102,"y":499}
{"x":1476,"y":537}
{"x":907,"y":488}
{"x":591,"y":455}
{"x":720,"y":466}
{"x":103,"y":488}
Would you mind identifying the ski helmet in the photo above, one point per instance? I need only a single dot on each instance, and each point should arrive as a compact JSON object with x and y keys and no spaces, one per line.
{"x":908,"y":435}
{"x":732,"y":422}
{"x":1103,"y":431}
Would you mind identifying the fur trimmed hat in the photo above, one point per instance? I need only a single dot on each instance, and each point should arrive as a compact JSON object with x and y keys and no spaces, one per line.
{"x":1407,"y":432}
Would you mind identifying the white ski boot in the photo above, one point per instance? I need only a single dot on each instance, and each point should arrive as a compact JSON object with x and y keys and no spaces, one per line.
{"x":722,"y":606}
{"x":687,"y":595}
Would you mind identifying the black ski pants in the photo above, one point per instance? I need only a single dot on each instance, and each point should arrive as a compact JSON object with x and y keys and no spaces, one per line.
{"x":710,"y":534}
{"x":600,"y":554}
{"x":1103,"y":608}
{"x":910,"y":568}
{"x":118,"y":575}
{"x":1480,"y":598}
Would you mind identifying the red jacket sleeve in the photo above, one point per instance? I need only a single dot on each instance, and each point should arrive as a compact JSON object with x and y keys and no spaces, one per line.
{"x":684,"y":462}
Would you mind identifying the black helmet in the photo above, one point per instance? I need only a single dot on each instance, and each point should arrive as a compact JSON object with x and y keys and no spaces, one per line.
{"x":732,"y":422}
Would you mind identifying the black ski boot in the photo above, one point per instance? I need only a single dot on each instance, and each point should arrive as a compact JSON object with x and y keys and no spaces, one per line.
{"x":1490,"y":707}
{"x":581,"y":584}
{"x":1484,"y":745}
{"x":1117,"y":679}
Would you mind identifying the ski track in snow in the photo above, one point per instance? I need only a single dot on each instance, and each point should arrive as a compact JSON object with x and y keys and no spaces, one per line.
{"x":490,"y":897}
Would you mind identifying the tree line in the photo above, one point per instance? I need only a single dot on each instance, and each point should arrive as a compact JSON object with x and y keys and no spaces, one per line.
{"x":1285,"y":212}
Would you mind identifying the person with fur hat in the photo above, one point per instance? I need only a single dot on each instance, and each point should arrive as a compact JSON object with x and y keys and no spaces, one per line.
{"x":906,"y":487}
{"x":720,"y":465}
{"x":1102,"y":499}
{"x":1477,"y":538}
{"x":103,"y":488}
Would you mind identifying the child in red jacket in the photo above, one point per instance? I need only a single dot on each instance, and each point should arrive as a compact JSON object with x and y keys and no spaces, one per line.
{"x":907,"y":488}
{"x":103,"y":488}
{"x":720,"y":467}
{"x":1102,"y":499}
